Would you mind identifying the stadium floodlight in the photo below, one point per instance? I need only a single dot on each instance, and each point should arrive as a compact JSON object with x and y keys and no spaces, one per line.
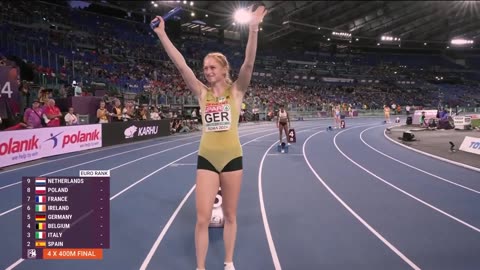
{"x":341,"y":35}
{"x":390,"y":40}
{"x":461,"y":41}
{"x":242,"y":16}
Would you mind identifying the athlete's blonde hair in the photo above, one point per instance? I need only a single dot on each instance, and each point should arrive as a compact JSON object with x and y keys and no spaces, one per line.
{"x":222,"y":60}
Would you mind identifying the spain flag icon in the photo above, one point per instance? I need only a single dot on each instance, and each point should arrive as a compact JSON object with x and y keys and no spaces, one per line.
{"x":40,"y":243}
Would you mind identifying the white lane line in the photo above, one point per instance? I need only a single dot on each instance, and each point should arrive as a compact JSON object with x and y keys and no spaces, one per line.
{"x":357,"y":216}
{"x":413,"y":167}
{"x":288,"y":154}
{"x":403,"y":191}
{"x":183,"y":164}
{"x":10,"y":185}
{"x":271,"y":244}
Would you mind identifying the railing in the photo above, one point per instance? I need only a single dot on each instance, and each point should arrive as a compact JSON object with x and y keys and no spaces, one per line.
{"x":185,"y":100}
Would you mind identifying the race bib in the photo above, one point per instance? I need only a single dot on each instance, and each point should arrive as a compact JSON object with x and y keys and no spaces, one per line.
{"x":218,"y":116}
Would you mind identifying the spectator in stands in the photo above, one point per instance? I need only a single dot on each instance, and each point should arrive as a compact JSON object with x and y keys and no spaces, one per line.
{"x":154,"y":114}
{"x":71,"y":118}
{"x":129,"y":111}
{"x":43,"y":96}
{"x":142,"y":113}
{"x":102,"y":113}
{"x":242,"y":112}
{"x":77,"y":89}
{"x":106,"y":99}
{"x":52,"y":114}
{"x":24,"y":97}
{"x":242,"y":116}
{"x":177,"y":126}
{"x":183,"y":126}
{"x":32,"y":118}
{"x":174,"y":126}
{"x":194,"y":114}
{"x":117,"y":111}
{"x":220,"y":153}
{"x":62,"y":92}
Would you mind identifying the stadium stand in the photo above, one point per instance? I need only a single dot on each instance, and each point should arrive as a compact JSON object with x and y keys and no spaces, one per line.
{"x":114,"y":58}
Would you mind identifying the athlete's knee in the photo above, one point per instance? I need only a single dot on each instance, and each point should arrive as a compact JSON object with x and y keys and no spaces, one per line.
{"x":230,"y":216}
{"x":203,"y":220}
{"x":203,"y":217}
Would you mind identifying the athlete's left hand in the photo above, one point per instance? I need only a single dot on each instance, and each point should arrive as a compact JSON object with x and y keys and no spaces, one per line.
{"x":257,"y":15}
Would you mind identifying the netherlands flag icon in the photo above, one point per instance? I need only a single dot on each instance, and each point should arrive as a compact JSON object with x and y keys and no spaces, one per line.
{"x":40,"y":181}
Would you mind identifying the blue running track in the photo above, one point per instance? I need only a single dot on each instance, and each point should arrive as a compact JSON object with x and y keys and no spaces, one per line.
{"x":342,"y":199}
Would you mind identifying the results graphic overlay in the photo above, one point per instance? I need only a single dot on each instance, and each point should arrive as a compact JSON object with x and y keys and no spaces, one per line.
{"x":65,"y":217}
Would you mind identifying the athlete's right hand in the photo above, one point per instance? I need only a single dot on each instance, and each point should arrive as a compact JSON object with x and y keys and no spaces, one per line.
{"x":161,"y":27}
